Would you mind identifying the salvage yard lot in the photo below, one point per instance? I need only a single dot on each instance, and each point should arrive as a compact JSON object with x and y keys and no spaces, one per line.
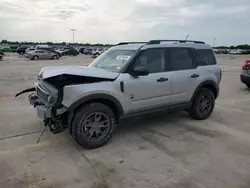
{"x":167,"y":151}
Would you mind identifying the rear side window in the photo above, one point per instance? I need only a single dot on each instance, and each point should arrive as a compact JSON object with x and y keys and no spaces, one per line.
{"x":205,"y":57}
{"x":180,"y":59}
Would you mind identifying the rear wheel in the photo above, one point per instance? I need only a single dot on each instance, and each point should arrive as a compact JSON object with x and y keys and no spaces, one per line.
{"x":203,"y":104}
{"x":93,"y":125}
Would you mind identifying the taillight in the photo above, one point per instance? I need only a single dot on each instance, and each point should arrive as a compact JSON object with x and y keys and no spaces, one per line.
{"x":248,"y":61}
{"x":246,"y":67}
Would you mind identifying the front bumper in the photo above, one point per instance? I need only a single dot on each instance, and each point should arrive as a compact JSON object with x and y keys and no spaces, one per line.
{"x":52,"y":116}
{"x":43,"y":112}
{"x":245,"y":78}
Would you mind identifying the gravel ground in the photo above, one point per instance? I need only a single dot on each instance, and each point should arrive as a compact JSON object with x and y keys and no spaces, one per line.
{"x":159,"y":152}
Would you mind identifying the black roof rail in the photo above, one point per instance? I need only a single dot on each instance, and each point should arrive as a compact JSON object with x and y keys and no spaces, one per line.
{"x":181,"y":41}
{"x":123,"y":43}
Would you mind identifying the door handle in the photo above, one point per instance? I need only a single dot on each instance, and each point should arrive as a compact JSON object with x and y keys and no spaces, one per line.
{"x":162,"y":79}
{"x":195,"y":75}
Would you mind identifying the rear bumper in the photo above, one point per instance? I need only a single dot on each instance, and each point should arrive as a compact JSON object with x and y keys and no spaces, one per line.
{"x":245,"y":79}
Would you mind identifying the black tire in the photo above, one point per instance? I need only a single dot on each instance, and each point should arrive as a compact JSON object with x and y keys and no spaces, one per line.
{"x":248,"y":85}
{"x":196,"y":109}
{"x":35,"y":57}
{"x":55,"y":57}
{"x":79,"y":125}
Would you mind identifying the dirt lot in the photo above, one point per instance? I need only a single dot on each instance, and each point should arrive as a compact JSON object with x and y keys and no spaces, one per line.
{"x":161,"y":152}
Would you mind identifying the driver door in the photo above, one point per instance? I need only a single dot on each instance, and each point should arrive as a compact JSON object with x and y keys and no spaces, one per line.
{"x":150,"y":91}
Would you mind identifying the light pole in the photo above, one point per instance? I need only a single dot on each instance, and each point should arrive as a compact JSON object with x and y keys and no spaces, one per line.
{"x":73,"y":30}
{"x":214,"y":42}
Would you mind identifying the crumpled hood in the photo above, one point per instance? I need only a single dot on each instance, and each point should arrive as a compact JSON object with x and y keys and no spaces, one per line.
{"x":51,"y":71}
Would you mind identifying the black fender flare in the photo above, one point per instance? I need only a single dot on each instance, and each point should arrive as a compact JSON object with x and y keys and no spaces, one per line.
{"x":207,"y":84}
{"x":98,"y":96}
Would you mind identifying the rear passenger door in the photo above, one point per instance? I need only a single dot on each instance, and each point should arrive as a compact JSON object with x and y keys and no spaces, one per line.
{"x":183,"y":74}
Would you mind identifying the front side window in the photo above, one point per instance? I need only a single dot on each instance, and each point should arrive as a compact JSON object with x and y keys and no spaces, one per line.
{"x":180,"y":59}
{"x":152,"y":60}
{"x":113,"y":60}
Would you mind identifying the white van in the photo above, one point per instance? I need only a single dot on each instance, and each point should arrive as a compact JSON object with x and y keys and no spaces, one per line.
{"x":41,"y":46}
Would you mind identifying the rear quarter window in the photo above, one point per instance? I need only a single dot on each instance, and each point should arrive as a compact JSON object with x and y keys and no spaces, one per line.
{"x":205,"y":57}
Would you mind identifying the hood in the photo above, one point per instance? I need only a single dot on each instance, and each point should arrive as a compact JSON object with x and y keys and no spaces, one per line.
{"x":51,"y":71}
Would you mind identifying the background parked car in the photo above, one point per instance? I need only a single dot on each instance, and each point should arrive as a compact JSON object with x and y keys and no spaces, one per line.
{"x":245,"y":74}
{"x":71,"y":51}
{"x":236,"y":52}
{"x":88,"y":50}
{"x":29,"y":49}
{"x":13,"y":48}
{"x":1,"y":56}
{"x":97,"y":52}
{"x":21,"y":50}
{"x":42,"y":46}
{"x":41,"y":54}
{"x":245,"y":51}
{"x":81,"y":50}
{"x":50,"y":49}
{"x":220,"y":51}
{"x":5,"y":49}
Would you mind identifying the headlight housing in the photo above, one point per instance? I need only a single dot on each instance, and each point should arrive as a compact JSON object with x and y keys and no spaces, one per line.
{"x":47,"y":93}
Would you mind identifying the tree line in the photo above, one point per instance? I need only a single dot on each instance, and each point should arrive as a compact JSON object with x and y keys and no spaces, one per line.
{"x":242,"y":46}
{"x":50,"y":43}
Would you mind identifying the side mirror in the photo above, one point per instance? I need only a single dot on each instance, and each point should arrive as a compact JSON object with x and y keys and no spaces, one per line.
{"x":139,"y":71}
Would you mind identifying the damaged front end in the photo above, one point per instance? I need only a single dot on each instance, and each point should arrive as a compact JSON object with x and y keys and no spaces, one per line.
{"x":47,"y":98}
{"x":47,"y":94}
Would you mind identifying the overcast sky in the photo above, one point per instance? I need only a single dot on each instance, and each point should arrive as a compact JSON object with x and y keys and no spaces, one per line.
{"x":112,"y":21}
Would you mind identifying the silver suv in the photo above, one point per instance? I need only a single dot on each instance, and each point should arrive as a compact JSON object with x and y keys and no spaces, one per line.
{"x":127,"y":80}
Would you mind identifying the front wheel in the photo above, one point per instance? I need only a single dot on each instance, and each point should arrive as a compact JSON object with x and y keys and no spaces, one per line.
{"x":55,"y":57}
{"x":35,"y":57}
{"x":93,"y":125}
{"x":203,"y":104}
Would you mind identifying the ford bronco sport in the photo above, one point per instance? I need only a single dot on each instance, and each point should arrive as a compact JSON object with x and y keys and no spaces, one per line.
{"x":128,"y":80}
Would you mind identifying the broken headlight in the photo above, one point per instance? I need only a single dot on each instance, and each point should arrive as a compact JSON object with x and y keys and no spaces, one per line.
{"x":47,"y":96}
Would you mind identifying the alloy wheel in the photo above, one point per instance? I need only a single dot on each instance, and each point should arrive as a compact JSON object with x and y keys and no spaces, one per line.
{"x":205,"y":105}
{"x":95,"y":126}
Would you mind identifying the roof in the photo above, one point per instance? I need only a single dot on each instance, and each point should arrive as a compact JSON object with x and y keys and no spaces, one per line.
{"x":162,"y":43}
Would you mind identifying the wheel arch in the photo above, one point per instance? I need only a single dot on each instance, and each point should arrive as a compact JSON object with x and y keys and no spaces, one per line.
{"x":106,"y":99}
{"x":209,"y":84}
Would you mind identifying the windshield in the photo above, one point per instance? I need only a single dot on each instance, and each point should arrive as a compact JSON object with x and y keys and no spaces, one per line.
{"x":112,"y":60}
